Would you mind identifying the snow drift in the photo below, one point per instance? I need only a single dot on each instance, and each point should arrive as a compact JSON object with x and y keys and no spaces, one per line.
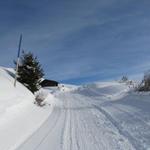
{"x":19,"y":117}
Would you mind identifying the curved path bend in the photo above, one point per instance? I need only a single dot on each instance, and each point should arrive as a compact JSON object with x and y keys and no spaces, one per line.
{"x":79,"y":125}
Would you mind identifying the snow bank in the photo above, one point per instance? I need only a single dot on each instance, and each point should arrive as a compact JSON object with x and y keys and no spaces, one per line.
{"x":19,"y":117}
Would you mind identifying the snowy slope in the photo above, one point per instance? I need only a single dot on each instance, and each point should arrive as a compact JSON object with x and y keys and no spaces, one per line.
{"x":19,"y":117}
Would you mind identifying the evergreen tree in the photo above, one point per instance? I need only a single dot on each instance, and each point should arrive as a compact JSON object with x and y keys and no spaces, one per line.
{"x":124,"y":79}
{"x":30,"y":71}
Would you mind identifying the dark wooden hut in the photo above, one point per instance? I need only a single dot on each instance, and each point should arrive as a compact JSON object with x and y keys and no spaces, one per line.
{"x":49,"y":83}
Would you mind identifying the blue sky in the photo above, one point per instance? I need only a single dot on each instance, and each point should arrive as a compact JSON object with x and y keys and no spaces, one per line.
{"x":79,"y":41}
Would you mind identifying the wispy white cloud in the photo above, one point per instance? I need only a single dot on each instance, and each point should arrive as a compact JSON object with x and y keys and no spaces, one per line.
{"x":77,"y":39}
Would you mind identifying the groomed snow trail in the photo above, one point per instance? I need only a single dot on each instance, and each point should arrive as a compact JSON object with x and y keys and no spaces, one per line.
{"x":79,"y":124}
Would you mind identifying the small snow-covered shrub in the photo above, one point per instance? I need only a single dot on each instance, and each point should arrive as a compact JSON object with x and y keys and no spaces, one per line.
{"x":138,"y":87}
{"x":40,"y":96}
{"x":128,"y":82}
{"x":124,"y":79}
{"x":145,"y":84}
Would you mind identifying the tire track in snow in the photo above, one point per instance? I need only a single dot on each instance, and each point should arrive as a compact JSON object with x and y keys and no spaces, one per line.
{"x":135,"y":117}
{"x":70,"y":128}
{"x":120,"y":129}
{"x":50,"y":129}
{"x":76,"y":125}
{"x":67,"y":133}
{"x":123,"y":132}
{"x":141,"y":130}
{"x":101,"y":121}
{"x":97,"y":144}
{"x":81,"y":138}
{"x":55,"y":115}
{"x":64,"y":133}
{"x":64,"y":126}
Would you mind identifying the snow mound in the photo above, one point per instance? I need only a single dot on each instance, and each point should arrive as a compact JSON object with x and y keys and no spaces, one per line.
{"x":10,"y":96}
{"x":7,"y":87}
{"x":104,"y":89}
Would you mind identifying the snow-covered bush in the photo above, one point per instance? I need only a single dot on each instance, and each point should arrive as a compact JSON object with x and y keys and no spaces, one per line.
{"x":126,"y":81}
{"x":145,"y":84}
{"x":40,"y":96}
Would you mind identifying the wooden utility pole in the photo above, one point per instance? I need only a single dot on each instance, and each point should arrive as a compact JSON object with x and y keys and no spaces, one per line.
{"x":18,"y":57}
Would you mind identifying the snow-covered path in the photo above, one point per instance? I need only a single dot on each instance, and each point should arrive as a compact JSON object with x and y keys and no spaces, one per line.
{"x":90,"y":123}
{"x":98,"y":116}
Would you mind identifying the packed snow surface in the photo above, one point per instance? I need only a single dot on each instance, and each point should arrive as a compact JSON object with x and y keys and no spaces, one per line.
{"x":98,"y":116}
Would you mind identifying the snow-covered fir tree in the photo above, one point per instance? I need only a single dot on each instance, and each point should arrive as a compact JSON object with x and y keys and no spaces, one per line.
{"x":30,"y":71}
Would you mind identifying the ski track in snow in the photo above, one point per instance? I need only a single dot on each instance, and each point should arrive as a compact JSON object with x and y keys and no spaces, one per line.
{"x":139,"y":140}
{"x":120,"y":129}
{"x":85,"y":123}
{"x":99,"y":143}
